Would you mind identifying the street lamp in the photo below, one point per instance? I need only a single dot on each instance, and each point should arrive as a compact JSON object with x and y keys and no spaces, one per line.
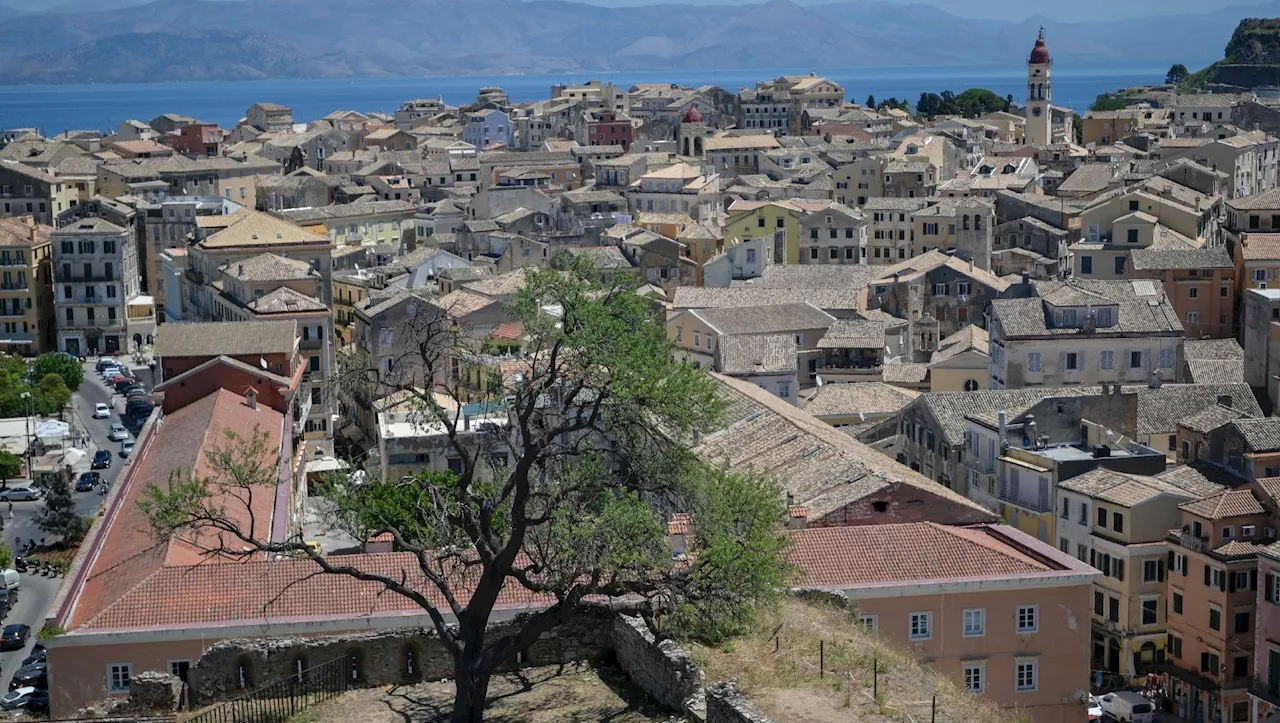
{"x":27,"y":396}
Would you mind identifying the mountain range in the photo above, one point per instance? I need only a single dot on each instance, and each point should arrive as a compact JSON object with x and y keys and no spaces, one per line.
{"x":255,"y":39}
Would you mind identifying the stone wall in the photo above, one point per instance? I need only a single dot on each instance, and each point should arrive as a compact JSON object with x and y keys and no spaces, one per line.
{"x":726,"y":705}
{"x":660,"y":668}
{"x":383,"y":658}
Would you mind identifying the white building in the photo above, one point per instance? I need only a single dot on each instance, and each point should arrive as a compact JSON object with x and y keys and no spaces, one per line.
{"x":97,"y":291}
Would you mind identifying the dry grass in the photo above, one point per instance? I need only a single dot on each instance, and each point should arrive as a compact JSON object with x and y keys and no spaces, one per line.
{"x":777,"y":666}
{"x":569,"y":694}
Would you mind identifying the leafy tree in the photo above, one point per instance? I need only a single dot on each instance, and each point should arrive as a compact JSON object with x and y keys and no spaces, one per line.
{"x":871,"y":102}
{"x":978,"y":101}
{"x":6,"y":556}
{"x":52,"y":395}
{"x":1078,"y":126}
{"x":1177,"y":73}
{"x":566,"y":497}
{"x":10,"y":467}
{"x":64,"y":366}
{"x":1109,"y":101}
{"x":930,"y":104}
{"x":58,"y":516}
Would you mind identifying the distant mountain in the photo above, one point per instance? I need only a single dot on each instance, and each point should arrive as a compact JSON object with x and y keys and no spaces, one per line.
{"x":203,"y":39}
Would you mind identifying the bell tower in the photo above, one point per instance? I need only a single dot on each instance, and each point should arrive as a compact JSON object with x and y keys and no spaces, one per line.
{"x":1039,"y":128}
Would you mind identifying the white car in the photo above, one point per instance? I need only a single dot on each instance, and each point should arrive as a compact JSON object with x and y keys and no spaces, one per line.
{"x":17,"y":698}
{"x":118,"y":433}
{"x":126,"y":448}
{"x":19,"y":493}
{"x":101,"y":411}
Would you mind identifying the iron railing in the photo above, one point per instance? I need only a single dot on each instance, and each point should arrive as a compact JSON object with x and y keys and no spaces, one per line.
{"x":282,"y":699}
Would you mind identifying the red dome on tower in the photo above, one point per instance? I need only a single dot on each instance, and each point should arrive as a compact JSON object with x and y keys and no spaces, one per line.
{"x":1040,"y":53}
{"x":693,"y":116}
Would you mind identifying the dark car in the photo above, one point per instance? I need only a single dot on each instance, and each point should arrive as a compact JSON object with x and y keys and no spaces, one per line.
{"x":101,"y":459}
{"x":123,"y":383}
{"x":88,"y":481}
{"x":38,"y":702}
{"x":39,"y":655}
{"x":35,"y":675}
{"x":14,"y":637}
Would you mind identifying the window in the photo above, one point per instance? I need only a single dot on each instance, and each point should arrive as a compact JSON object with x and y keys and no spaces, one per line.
{"x":1033,"y":361}
{"x":869,"y":622}
{"x":975,"y":623}
{"x":1166,"y":358}
{"x":1240,"y":669}
{"x":1177,"y":602}
{"x":784,"y":390}
{"x":1084,"y":513}
{"x":1135,"y":360}
{"x":1242,"y":622}
{"x":697,"y":339}
{"x":1108,"y":360}
{"x":1209,"y":663}
{"x":1174,"y":644}
{"x":1028,"y":618}
{"x":921,"y":626}
{"x":940,"y":289}
{"x":1153,"y":570}
{"x":1102,"y":517}
{"x":1215,"y":619}
{"x":1073,"y":361}
{"x":1150,"y":610}
{"x":1242,"y":580}
{"x":1099,"y":603}
{"x":1086,"y":265}
{"x":1226,"y":531}
{"x":1113,"y":612}
{"x":1193,"y":293}
{"x":1026,"y":675}
{"x":751,"y":256}
{"x":974,"y":676}
{"x":813,"y":253}
{"x":1117,"y":521}
{"x":1132,"y":235}
{"x":1066,"y":508}
{"x":118,"y":677}
{"x":1180,"y":564}
{"x":1133,"y":205}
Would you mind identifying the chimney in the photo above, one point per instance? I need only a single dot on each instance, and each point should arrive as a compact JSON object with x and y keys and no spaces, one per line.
{"x":1031,"y":431}
{"x":240,"y":272}
{"x":1156,"y":381}
{"x":251,"y":398}
{"x":797,"y":517}
{"x":1003,"y":429}
{"x":678,"y":529}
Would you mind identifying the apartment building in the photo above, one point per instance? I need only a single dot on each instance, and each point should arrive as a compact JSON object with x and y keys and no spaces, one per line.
{"x":836,"y":234}
{"x":962,"y":226}
{"x":232,"y":179}
{"x":1000,"y":613}
{"x":1118,"y":522}
{"x":26,"y":287}
{"x":1200,"y":284}
{"x":1249,"y":160}
{"x":269,"y":117}
{"x":97,"y":291}
{"x":1084,"y":332}
{"x":489,"y":127}
{"x":168,"y":222}
{"x":1264,"y":693}
{"x":29,"y":191}
{"x":1029,"y":245}
{"x":891,"y":234}
{"x":364,"y":223}
{"x":1212,"y":591}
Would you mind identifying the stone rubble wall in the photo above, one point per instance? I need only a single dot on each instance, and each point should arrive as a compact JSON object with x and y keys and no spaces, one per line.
{"x":726,"y":705}
{"x":662,"y":669}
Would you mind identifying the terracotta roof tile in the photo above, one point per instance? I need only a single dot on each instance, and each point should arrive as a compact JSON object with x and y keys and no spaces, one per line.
{"x":912,"y":552}
{"x":1231,"y":503}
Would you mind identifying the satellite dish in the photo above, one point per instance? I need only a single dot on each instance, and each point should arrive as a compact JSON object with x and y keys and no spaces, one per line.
{"x":262,"y":362}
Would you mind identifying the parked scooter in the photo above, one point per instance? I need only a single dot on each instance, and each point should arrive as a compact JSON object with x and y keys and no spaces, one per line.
{"x":20,"y":563}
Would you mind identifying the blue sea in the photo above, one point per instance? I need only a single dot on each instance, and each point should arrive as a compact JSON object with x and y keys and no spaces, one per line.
{"x":55,"y":108}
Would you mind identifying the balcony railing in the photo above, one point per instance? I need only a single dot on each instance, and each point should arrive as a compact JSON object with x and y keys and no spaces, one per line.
{"x":1267,"y":689}
{"x":1190,"y":541}
{"x":82,"y":278}
{"x":13,"y":286}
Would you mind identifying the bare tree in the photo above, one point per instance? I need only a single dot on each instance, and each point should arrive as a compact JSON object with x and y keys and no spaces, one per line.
{"x":565,"y":495}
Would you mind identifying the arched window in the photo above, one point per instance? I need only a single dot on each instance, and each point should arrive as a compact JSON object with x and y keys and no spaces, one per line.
{"x":971,"y":385}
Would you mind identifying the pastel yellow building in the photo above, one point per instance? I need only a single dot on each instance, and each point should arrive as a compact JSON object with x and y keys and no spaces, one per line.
{"x":756,"y":219}
{"x":26,"y":286}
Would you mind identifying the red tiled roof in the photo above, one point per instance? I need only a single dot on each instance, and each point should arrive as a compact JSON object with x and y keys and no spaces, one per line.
{"x":129,"y":554}
{"x":261,"y":591}
{"x":1232,"y":503}
{"x":509,"y":330}
{"x":911,"y":552}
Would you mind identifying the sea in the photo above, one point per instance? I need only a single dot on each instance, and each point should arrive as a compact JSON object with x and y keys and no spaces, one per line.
{"x":55,"y":108}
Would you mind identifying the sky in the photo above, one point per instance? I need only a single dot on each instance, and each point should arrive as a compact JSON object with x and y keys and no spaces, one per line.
{"x":1016,"y":10}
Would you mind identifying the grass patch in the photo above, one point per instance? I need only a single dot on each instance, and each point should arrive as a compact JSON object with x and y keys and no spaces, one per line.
{"x":777,"y":664}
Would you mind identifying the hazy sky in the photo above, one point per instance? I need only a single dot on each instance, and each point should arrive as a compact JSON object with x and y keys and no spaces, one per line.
{"x":1016,"y":10}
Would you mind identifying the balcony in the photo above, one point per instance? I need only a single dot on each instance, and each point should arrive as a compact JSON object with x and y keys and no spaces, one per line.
{"x":83,"y":279}
{"x":1192,"y":542}
{"x":310,"y":343}
{"x":13,"y":286}
{"x":1267,"y":689}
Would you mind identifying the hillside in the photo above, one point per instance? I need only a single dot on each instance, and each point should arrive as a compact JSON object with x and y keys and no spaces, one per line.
{"x":1256,"y":41}
{"x":336,"y":38}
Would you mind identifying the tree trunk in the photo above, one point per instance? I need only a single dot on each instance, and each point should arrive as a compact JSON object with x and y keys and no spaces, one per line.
{"x":470,"y":691}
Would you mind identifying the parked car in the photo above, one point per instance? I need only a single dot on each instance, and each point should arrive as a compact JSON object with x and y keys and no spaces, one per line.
{"x":35,"y":675}
{"x":110,"y":372}
{"x":101,"y":411}
{"x":135,"y":392}
{"x":105,"y":362}
{"x":101,"y":459}
{"x":38,"y":702}
{"x":19,"y":493}
{"x":88,"y":481}
{"x":118,"y":433}
{"x":39,"y":655}
{"x":126,"y":448}
{"x":21,"y":698}
{"x":14,"y":637}
{"x":1128,"y":707}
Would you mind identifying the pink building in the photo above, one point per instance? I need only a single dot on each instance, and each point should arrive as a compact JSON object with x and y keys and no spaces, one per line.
{"x":1264,"y":693}
{"x":1200,"y":284}
{"x":1003,"y":613}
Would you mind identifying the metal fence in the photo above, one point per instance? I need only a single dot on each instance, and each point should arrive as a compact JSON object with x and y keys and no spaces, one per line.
{"x":280,"y":700}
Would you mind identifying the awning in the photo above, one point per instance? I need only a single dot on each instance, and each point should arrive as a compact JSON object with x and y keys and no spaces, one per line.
{"x":326,"y":464}
{"x":1188,"y":676}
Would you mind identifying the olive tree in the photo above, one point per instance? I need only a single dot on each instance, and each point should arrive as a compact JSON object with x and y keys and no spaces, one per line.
{"x":564,"y":491}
